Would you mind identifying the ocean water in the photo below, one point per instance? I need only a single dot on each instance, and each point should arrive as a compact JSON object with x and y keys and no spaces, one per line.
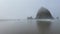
{"x":30,"y":27}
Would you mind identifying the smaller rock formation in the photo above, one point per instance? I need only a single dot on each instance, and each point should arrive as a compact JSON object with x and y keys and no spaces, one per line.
{"x":29,"y":17}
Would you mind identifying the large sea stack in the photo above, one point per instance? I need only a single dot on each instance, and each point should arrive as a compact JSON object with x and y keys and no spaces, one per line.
{"x":44,"y":13}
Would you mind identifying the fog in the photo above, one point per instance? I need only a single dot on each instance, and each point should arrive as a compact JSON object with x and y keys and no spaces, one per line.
{"x":21,"y":9}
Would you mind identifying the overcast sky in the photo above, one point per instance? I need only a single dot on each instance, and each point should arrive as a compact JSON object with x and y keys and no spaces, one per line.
{"x":20,"y":9}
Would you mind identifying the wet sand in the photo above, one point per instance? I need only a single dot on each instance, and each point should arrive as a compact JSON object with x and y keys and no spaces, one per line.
{"x":30,"y":27}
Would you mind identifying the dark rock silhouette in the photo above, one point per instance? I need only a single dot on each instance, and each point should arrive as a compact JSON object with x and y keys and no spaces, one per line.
{"x":29,"y":17}
{"x":44,"y":13}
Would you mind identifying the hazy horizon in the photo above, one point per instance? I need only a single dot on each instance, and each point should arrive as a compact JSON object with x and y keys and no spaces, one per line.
{"x":21,"y":9}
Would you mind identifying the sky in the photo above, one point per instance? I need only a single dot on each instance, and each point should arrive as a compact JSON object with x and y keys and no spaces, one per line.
{"x":21,"y":9}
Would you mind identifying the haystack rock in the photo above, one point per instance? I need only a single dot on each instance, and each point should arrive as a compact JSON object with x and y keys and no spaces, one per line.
{"x":44,"y":13}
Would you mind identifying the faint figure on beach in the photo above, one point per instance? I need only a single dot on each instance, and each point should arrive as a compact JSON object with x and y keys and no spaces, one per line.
{"x":57,"y":17}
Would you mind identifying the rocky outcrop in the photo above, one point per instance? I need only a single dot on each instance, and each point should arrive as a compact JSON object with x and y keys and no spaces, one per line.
{"x":29,"y":17}
{"x":44,"y":13}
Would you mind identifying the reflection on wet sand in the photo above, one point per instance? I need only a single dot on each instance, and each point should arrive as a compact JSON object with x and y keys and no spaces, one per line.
{"x":30,"y":27}
{"x":44,"y":27}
